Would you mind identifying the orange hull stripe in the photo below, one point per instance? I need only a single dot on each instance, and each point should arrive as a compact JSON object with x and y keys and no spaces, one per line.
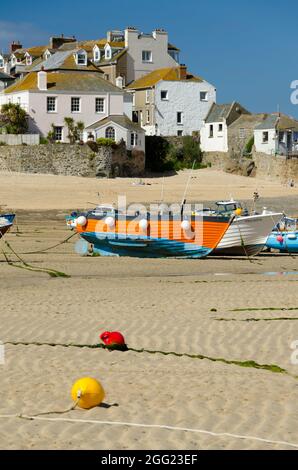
{"x":210,"y":233}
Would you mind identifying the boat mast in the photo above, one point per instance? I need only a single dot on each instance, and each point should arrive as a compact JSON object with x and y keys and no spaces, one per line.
{"x":186,"y":188}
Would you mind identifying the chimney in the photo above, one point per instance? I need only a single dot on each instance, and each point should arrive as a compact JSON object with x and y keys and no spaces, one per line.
{"x":14,"y":46}
{"x":42,"y":80}
{"x":57,"y":41}
{"x":182,"y":72}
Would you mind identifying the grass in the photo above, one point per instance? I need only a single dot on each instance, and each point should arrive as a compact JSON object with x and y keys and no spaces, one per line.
{"x":267,"y":309}
{"x":257,"y":319}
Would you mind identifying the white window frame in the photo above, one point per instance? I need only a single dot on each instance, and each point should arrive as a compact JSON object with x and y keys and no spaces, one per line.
{"x":103,"y":101}
{"x":133,"y":139}
{"x":75,"y":111}
{"x":110,"y":127}
{"x":147,"y":116}
{"x":108,"y":52}
{"x":149,"y":58}
{"x":220,"y":128}
{"x":167,"y":95}
{"x":179,"y":133}
{"x":211,"y":131}
{"x":180,"y":122}
{"x":148,"y":96}
{"x":242,"y":133}
{"x":55,"y":128}
{"x":133,"y":98}
{"x":205,"y":98}
{"x":81,"y":54}
{"x":265,"y":140}
{"x":54,"y":98}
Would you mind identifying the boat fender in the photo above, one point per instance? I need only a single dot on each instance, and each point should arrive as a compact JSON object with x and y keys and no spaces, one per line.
{"x":81,"y":220}
{"x":110,"y":222}
{"x":185,"y":225}
{"x":279,"y":238}
{"x":143,"y":224}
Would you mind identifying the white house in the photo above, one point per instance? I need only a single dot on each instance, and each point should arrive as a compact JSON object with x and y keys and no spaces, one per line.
{"x":49,"y":97}
{"x":277,"y":135}
{"x":171,"y":101}
{"x":214,"y":132}
{"x":118,"y":128}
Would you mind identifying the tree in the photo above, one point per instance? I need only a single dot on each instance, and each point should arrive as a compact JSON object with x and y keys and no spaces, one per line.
{"x":75,"y":130}
{"x":13,"y":118}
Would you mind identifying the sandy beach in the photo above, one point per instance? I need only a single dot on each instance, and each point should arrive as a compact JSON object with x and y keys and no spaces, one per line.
{"x":228,"y":324}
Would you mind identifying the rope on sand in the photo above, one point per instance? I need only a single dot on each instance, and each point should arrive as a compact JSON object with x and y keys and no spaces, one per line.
{"x":154,"y":426}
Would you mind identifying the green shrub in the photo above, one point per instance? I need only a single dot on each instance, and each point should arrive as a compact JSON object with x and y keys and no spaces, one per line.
{"x":2,"y":143}
{"x":103,"y":142}
{"x":43,"y":141}
{"x":249,"y":145}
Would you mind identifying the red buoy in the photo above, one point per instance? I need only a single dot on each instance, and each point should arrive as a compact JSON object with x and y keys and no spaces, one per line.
{"x":112,"y":338}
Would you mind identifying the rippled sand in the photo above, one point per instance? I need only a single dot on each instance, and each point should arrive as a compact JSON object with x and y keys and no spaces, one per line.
{"x":167,"y":305}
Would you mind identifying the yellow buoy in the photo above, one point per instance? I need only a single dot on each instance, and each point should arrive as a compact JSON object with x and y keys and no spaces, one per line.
{"x":238,"y":211}
{"x":88,"y":392}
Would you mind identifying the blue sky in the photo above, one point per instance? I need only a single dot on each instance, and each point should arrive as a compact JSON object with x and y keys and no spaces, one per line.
{"x":247,"y":49}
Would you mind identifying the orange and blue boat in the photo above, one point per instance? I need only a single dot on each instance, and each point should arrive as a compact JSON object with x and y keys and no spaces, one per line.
{"x":6,"y":222}
{"x":149,"y":235}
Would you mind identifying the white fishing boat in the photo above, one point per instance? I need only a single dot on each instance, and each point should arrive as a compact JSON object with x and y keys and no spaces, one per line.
{"x":248,"y":233}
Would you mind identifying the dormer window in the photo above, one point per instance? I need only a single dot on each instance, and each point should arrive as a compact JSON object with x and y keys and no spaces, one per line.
{"x":28,"y":59}
{"x":108,"y":52}
{"x":96,"y":54}
{"x":13,"y":60}
{"x":1,"y":62}
{"x":81,"y":58}
{"x":47,"y":55}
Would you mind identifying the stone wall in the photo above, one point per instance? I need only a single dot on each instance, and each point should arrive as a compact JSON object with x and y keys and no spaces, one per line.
{"x":74,"y":160}
{"x":259,"y":164}
{"x":276,"y":167}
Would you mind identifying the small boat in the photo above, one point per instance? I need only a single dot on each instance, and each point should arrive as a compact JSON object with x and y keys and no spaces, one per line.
{"x":284,"y":236}
{"x":6,"y":221}
{"x":150,"y":235}
{"x":248,"y":233}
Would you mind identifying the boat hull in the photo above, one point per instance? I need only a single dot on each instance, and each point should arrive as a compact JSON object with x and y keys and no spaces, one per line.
{"x":247,"y":236}
{"x":124,"y":240}
{"x":288,"y":245}
{"x":6,"y":222}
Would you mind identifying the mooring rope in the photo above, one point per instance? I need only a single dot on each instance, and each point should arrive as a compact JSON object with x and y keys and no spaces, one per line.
{"x":153,"y":426}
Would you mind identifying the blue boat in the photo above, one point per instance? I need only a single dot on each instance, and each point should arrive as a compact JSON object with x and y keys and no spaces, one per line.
{"x":284,"y":236}
{"x":6,"y":222}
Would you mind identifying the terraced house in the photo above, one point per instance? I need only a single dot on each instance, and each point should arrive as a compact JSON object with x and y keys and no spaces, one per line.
{"x":50,"y":96}
{"x":171,"y":101}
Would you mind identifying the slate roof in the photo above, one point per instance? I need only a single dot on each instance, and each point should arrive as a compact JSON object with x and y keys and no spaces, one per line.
{"x":121,"y":120}
{"x":280,"y":122}
{"x":219,"y":112}
{"x":62,"y":60}
{"x":65,"y":81}
{"x":5,"y":76}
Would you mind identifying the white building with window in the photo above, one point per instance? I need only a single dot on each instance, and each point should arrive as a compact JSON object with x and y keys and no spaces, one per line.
{"x":49,"y":97}
{"x":277,"y":135}
{"x":171,"y":101}
{"x":229,"y":128}
{"x":118,"y":128}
